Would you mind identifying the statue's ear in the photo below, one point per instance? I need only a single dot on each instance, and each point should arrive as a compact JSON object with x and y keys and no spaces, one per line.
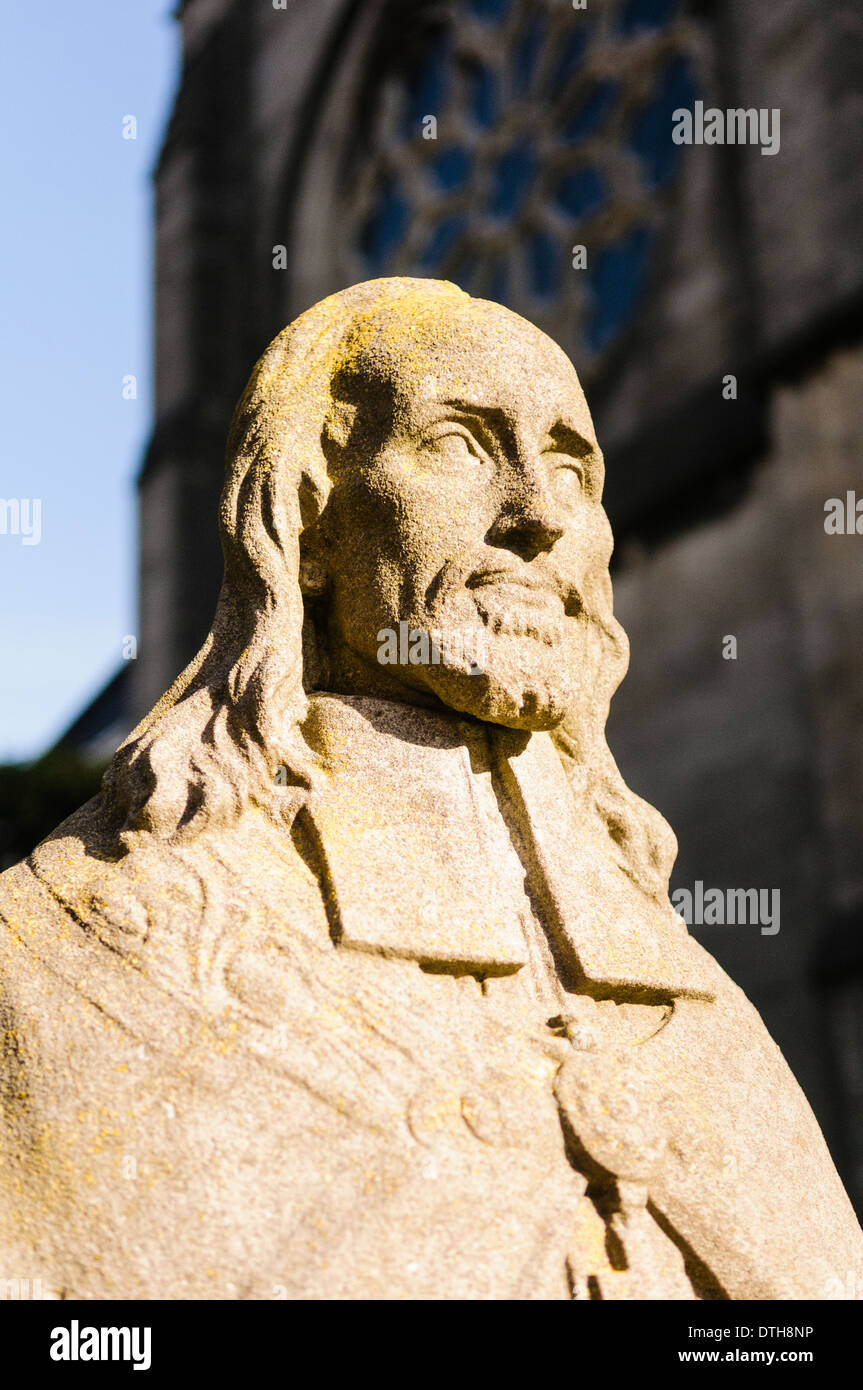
{"x":358,"y":419}
{"x":338,"y":425}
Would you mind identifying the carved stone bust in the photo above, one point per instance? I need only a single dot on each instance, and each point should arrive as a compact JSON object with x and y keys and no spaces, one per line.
{"x":360,"y":978}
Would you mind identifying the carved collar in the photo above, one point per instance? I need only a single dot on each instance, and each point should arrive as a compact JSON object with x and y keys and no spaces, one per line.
{"x":431,"y":827}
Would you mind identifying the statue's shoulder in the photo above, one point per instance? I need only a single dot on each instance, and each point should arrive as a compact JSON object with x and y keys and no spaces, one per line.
{"x":160,"y":907}
{"x":31,"y":910}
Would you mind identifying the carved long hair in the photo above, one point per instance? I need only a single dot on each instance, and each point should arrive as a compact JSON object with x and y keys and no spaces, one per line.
{"x":215,"y":742}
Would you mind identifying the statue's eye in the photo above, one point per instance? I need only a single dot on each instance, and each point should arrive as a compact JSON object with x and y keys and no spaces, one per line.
{"x":451,"y":445}
{"x":567,"y":473}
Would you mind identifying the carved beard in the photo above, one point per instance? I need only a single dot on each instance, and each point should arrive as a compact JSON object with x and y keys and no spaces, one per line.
{"x":525,"y":642}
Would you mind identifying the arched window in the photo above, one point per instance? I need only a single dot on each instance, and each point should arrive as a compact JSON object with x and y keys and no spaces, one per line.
{"x":514,"y":133}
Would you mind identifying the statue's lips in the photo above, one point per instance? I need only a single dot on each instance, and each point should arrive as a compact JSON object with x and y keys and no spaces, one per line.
{"x":518,"y":590}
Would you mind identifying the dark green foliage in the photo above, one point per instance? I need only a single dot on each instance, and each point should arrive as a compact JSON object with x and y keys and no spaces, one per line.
{"x":36,"y":797}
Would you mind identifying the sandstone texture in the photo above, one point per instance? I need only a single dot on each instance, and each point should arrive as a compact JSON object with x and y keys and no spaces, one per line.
{"x":360,"y":979}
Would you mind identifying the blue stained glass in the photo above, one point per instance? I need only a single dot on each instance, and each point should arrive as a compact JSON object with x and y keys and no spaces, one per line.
{"x":426,"y":88}
{"x":650,"y":137}
{"x":499,"y":287}
{"x":442,"y":239}
{"x":385,"y":227}
{"x":615,"y":281}
{"x":570,"y":57}
{"x":543,"y":254}
{"x":452,"y":167}
{"x":526,"y":53}
{"x":513,"y":177}
{"x":482,"y":96}
{"x":488,"y":9}
{"x":640,"y":15}
{"x":590,"y":115}
{"x":464,"y":271}
{"x":581,"y":191}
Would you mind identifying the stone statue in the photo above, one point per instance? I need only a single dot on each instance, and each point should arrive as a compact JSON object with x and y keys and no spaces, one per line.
{"x":360,"y":978}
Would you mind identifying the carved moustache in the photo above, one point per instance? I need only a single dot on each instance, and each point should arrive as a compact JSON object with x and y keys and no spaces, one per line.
{"x":512,"y":599}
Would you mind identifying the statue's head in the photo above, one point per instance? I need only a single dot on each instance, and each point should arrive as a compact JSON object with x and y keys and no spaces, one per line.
{"x":463,"y":502}
{"x":413,"y":511}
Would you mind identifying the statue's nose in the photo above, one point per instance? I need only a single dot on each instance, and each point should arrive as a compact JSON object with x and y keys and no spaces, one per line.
{"x":528,"y":524}
{"x":526,"y":536}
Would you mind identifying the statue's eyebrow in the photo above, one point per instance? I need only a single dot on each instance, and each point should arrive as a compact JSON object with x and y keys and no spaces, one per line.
{"x":564,"y":435}
{"x":570,"y":440}
{"x":492,"y":416}
{"x":567,"y":439}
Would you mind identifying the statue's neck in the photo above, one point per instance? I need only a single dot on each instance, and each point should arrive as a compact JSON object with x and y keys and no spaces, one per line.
{"x":344,"y":671}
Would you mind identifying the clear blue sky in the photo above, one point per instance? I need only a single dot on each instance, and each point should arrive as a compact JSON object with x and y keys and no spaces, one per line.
{"x":75,"y":262}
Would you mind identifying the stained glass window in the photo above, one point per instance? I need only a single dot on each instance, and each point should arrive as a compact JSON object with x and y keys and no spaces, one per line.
{"x":551,"y":129}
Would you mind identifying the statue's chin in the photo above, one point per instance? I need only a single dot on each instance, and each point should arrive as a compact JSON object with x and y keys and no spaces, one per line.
{"x":532,"y":715}
{"x":515,"y":700}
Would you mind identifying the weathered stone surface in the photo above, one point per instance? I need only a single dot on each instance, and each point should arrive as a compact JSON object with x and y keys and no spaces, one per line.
{"x":361,"y":979}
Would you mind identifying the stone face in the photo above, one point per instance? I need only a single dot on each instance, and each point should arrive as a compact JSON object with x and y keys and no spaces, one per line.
{"x":361,"y":979}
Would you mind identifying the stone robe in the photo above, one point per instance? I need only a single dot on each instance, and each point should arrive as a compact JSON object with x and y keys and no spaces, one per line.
{"x":429,"y":1042}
